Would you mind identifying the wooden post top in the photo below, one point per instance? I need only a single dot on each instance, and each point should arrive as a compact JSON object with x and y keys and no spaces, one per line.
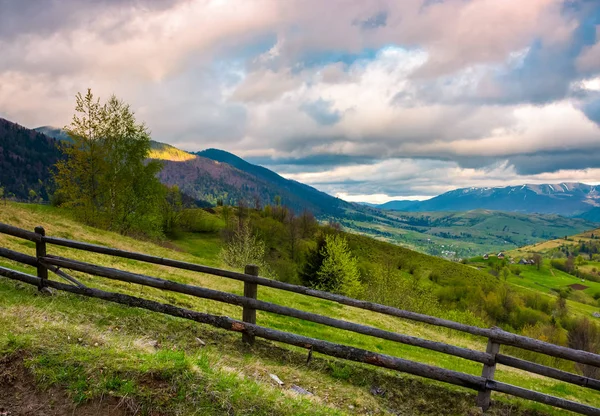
{"x":251,"y":269}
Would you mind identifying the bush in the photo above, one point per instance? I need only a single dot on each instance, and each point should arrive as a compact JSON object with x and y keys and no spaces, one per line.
{"x":585,"y":335}
{"x":199,"y":221}
{"x":245,"y":248}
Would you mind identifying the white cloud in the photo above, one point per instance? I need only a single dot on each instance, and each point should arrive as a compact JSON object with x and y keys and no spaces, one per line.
{"x":240,"y":75}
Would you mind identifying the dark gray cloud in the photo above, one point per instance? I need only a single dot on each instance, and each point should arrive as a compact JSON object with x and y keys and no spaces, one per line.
{"x":45,"y":17}
{"x":542,"y":162}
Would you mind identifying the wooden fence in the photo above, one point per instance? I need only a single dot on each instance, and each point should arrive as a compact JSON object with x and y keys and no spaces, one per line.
{"x":484,"y":384}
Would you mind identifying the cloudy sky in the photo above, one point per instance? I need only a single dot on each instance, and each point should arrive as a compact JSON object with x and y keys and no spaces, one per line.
{"x":365,"y":99}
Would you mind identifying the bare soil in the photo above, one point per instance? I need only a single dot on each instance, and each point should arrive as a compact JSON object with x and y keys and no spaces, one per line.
{"x":577,"y":286}
{"x":19,"y":396}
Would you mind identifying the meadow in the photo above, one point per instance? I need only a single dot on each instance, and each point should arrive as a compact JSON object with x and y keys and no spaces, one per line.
{"x":159,"y":364}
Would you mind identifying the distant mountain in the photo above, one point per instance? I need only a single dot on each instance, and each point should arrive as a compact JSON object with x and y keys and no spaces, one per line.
{"x":567,"y":199}
{"x":54,"y":132}
{"x":161,"y":151}
{"x":215,"y":174}
{"x":26,"y":157}
{"x":591,"y":215}
{"x":403,"y":205}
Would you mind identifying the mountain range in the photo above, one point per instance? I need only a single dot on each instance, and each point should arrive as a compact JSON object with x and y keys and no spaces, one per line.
{"x":567,"y":199}
{"x":214,"y":175}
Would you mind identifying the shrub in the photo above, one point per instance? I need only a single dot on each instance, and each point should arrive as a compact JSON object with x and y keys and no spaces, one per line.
{"x":585,"y":335}
{"x":245,"y":248}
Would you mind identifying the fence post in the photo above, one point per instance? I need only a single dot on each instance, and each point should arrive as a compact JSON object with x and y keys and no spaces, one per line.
{"x":250,"y":291}
{"x":484,"y":396}
{"x":40,"y":251}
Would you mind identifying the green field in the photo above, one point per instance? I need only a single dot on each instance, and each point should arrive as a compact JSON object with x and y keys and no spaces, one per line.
{"x":463,"y":234}
{"x":92,"y":349}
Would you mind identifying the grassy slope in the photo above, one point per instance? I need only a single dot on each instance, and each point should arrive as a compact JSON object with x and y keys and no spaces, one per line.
{"x":545,"y":246}
{"x":474,"y":232}
{"x":94,"y":348}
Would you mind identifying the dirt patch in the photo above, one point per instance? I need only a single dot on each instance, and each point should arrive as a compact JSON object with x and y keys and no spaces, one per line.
{"x":577,"y":286}
{"x":19,"y":396}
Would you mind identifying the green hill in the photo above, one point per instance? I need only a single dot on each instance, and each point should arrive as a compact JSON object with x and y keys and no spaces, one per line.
{"x":91,"y":352}
{"x":462,"y":234}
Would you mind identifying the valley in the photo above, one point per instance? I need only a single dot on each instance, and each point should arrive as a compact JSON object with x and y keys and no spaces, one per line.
{"x":215,"y":177}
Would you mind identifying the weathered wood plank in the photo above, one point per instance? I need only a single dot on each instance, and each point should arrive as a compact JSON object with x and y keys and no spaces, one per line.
{"x":548,"y":371}
{"x":387,"y":310}
{"x":501,"y":337}
{"x":32,"y":261}
{"x":484,"y":396}
{"x":40,"y":252}
{"x":230,"y":298}
{"x":224,"y":322}
{"x":508,"y":338}
{"x":18,"y":232}
{"x":584,"y":409}
{"x":251,"y":292}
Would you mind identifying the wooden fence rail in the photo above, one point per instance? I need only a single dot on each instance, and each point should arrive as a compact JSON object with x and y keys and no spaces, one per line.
{"x":250,"y":303}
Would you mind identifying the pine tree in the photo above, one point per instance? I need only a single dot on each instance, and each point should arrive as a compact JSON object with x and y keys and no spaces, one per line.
{"x":339,"y":272}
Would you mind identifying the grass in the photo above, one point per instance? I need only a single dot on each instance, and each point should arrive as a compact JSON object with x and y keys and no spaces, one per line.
{"x":462,"y":234}
{"x":94,"y":348}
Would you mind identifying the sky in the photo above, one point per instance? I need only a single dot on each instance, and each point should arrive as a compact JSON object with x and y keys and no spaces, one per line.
{"x":366,"y":100}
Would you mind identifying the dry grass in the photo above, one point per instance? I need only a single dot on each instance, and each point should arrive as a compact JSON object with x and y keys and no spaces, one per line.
{"x":65,"y":332}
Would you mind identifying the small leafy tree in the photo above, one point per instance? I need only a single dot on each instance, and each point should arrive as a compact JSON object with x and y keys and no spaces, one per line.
{"x":339,"y":272}
{"x":105,"y":176}
{"x":537,"y":260}
{"x":2,"y":195}
{"x":172,"y":209}
{"x":245,"y":248}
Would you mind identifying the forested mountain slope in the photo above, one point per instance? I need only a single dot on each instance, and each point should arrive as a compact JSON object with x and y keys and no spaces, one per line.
{"x":26,"y":158}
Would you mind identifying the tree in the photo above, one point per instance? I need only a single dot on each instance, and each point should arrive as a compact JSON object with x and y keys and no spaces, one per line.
{"x":106,"y":177}
{"x":293,"y":231}
{"x":585,"y":335}
{"x":172,"y":209}
{"x":245,"y":248}
{"x":339,"y":271}
{"x":537,"y":260}
{"x":308,"y":224}
{"x":569,"y":265}
{"x":2,"y":196}
{"x":314,"y":261}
